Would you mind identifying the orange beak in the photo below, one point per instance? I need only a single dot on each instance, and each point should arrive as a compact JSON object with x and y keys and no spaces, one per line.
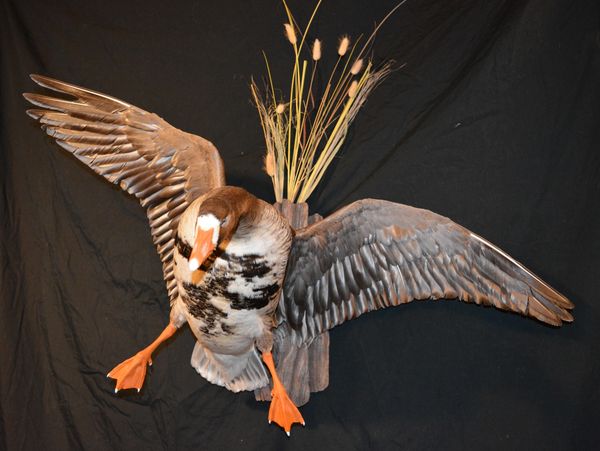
{"x":203,"y":247}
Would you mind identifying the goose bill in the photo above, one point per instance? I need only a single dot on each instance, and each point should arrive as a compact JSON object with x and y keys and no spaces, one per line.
{"x":203,"y":247}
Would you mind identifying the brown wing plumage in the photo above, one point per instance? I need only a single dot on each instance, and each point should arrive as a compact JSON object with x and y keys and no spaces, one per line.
{"x":165,"y":168}
{"x":374,"y":254}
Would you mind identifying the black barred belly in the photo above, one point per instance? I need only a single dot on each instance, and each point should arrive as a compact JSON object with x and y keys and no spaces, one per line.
{"x":232,"y":279}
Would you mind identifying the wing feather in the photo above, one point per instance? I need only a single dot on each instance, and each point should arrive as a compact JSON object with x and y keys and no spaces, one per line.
{"x":165,"y":168}
{"x":374,"y":254}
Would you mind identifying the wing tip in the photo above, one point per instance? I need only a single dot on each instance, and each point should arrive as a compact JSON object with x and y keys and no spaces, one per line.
{"x":38,"y":100}
{"x":556,"y":304}
{"x":74,"y":90}
{"x":549,"y":312}
{"x":47,"y":82}
{"x":37,"y":78}
{"x":34,"y":114}
{"x":568,"y":317}
{"x":551,"y":293}
{"x":51,"y":83}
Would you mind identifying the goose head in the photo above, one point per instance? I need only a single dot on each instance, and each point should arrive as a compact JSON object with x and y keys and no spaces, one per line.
{"x":219,"y":217}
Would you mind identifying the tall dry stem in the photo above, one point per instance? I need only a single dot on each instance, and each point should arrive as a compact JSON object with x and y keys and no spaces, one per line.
{"x":306,"y":129}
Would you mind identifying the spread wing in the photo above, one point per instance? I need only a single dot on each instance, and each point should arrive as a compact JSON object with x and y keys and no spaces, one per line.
{"x":165,"y":168}
{"x":374,"y":254}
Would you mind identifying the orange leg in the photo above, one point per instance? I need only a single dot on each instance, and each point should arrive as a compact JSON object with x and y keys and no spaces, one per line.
{"x":131,"y":372}
{"x":283,"y":411}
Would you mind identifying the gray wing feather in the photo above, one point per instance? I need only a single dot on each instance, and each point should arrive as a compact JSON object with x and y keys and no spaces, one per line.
{"x":165,"y":168}
{"x":374,"y":254}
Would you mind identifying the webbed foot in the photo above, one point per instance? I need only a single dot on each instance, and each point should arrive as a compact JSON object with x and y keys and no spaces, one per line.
{"x":132,"y":372}
{"x":282,"y":411}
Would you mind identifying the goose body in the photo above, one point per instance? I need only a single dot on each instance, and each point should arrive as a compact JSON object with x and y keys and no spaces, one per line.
{"x":230,"y":304}
{"x":243,"y":280}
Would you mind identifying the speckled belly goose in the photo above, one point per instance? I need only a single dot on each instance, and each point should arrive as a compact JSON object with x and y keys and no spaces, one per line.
{"x":230,"y":261}
{"x":241,"y":278}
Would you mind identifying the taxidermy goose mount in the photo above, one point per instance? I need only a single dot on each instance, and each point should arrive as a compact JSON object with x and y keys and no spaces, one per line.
{"x":258,"y":294}
{"x":225,"y":252}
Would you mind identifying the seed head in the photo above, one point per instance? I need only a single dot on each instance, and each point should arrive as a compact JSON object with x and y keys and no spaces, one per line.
{"x":356,"y":67}
{"x":316,"y":50}
{"x":344,"y":44}
{"x":352,"y":89}
{"x":270,"y":164}
{"x":290,"y":33}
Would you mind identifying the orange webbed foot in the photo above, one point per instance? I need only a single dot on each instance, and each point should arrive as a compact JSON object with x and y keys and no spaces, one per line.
{"x":132,"y":372}
{"x":283,"y":411}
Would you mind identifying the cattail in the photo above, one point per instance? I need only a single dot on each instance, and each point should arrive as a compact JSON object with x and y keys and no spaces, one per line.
{"x":344,"y":44}
{"x":280,"y":108}
{"x":270,"y":164}
{"x":352,"y":89}
{"x":356,"y":67}
{"x":316,"y":50}
{"x":290,"y":33}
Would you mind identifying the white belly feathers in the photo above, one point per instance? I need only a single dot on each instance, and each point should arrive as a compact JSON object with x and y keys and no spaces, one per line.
{"x":229,"y":302}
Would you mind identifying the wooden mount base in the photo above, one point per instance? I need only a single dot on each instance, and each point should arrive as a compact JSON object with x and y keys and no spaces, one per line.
{"x":302,"y":370}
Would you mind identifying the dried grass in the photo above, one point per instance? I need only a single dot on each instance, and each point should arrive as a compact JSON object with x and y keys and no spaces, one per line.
{"x":304,"y":132}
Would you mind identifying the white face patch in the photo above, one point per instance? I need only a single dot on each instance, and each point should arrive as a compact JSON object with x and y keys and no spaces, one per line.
{"x":194,"y":264}
{"x":207,"y":222}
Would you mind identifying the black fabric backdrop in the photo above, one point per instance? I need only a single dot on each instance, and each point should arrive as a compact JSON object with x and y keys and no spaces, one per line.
{"x":493,"y":122}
